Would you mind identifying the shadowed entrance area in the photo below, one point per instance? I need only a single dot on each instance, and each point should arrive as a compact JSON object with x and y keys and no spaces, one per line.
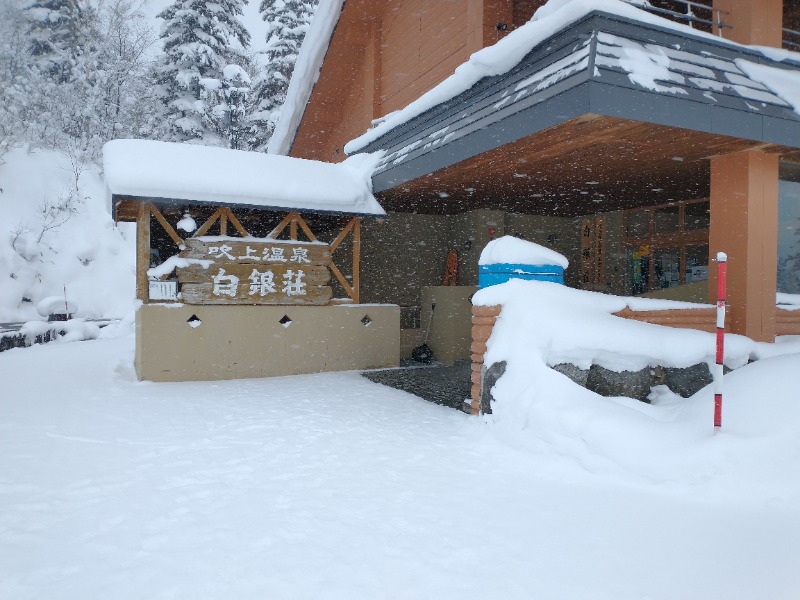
{"x":440,"y":384}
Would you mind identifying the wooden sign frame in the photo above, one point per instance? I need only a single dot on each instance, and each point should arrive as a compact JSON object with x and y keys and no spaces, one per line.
{"x":322,"y":254}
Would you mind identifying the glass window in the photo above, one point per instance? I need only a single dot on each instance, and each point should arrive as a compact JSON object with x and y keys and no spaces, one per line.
{"x":667,"y":245}
{"x":696,"y":263}
{"x":639,"y":261}
{"x":789,"y":229}
{"x":667,"y":267}
{"x":638,"y":223}
{"x":697,"y":216}
{"x":666,"y":219}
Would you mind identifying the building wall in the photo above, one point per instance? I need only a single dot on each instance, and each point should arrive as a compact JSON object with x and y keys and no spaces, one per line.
{"x":400,"y":255}
{"x":422,"y":43}
{"x":524,"y":9}
{"x":469,"y":233}
{"x":561,"y":234}
{"x":406,"y":252}
{"x":385,"y":54}
{"x":235,"y":342}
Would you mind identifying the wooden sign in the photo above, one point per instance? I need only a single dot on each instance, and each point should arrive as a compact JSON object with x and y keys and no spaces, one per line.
{"x":593,"y":244}
{"x":272,"y":252}
{"x":255,"y":284}
{"x":256,"y":272}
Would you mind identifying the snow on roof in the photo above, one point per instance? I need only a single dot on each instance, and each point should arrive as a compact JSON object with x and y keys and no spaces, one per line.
{"x":781,"y":82}
{"x":511,"y":250}
{"x":641,"y":63}
{"x":150,"y":169}
{"x":305,"y":74}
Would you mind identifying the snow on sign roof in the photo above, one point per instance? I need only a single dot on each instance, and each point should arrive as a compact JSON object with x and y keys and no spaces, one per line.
{"x":203,"y":174}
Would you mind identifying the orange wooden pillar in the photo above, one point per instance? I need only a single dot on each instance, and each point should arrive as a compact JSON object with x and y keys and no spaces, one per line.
{"x":744,"y":224}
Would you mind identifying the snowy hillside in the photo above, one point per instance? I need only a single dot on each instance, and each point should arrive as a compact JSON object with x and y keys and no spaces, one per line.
{"x":55,"y":234}
{"x":74,"y":75}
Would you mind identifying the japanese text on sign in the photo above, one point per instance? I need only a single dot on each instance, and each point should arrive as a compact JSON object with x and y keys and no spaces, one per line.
{"x":261,"y":283}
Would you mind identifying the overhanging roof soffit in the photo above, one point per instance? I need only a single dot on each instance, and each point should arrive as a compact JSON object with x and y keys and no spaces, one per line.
{"x":603,"y":65}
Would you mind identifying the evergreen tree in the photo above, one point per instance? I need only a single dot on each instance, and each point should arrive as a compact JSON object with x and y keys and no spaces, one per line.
{"x":201,"y":38}
{"x":55,"y":35}
{"x":99,"y":91}
{"x":288,"y":21}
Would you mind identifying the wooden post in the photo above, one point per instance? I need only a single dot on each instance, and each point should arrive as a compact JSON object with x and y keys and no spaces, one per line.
{"x":236,"y":223}
{"x":142,"y":251}
{"x":207,"y":225}
{"x":744,"y":222}
{"x":356,"y":259}
{"x":167,"y":227}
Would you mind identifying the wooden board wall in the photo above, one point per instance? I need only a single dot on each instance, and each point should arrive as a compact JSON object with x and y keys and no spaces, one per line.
{"x":384,"y":54}
{"x":422,"y":43}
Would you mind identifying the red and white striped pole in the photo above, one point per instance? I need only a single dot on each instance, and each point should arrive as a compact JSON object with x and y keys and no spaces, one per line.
{"x":722,"y":283}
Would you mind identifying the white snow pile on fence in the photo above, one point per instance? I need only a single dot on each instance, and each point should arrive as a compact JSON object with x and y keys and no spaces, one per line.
{"x":788,"y":301}
{"x":511,"y":250}
{"x":558,"y":324}
{"x":544,"y":323}
{"x":150,"y":169}
{"x":73,"y":330}
{"x":56,"y":305}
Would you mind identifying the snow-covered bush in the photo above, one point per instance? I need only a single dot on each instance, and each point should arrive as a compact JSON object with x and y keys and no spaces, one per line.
{"x":54,"y":240}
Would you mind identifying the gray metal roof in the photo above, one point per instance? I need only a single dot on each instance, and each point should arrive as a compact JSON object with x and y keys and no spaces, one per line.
{"x":606,"y":65}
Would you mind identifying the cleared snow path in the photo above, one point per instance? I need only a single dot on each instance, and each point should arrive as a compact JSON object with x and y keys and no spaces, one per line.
{"x":329,"y":486}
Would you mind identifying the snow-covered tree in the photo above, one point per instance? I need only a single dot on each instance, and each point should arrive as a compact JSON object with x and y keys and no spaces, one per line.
{"x":228,"y":115}
{"x":288,"y":24}
{"x":201,"y":38}
{"x":102,"y":91}
{"x":14,"y":63}
{"x":56,"y":35}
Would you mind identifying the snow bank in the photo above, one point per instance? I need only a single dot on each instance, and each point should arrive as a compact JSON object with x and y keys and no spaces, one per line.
{"x":670,"y":440}
{"x":510,"y":250}
{"x":784,"y":344}
{"x":74,"y":244}
{"x":788,"y":301}
{"x":540,"y":409}
{"x":152,"y":169}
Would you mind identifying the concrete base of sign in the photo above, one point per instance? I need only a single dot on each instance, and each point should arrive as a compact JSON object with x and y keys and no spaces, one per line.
{"x":181,"y":342}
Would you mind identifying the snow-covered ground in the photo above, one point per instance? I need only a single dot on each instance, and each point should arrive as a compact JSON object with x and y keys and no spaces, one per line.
{"x":330,"y":486}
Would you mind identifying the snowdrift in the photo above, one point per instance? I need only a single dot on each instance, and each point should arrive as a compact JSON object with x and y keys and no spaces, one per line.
{"x":543,"y":324}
